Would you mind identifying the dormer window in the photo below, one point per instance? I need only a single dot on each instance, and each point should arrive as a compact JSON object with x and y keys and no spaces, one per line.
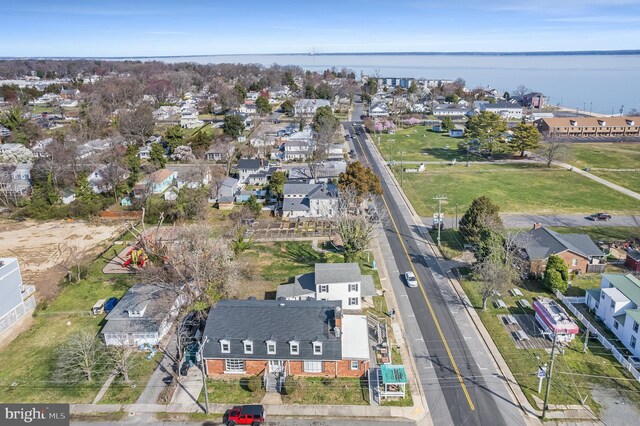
{"x":248,"y":346}
{"x":138,"y":310}
{"x":630,"y":122}
{"x":602,"y":123}
{"x":225,"y":346}
{"x":573,"y":122}
{"x":317,"y":348}
{"x":271,"y":347}
{"x":294,"y":347}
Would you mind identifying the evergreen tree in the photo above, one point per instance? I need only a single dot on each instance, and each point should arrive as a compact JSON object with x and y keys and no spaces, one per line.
{"x":482,"y":214}
{"x":157,"y":155}
{"x":556,"y":275}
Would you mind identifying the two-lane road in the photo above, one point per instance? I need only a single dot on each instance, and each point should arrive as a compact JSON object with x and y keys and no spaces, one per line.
{"x":467,"y":396}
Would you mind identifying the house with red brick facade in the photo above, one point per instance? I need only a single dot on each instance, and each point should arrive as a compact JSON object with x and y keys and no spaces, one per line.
{"x":578,"y":250}
{"x":277,"y":338}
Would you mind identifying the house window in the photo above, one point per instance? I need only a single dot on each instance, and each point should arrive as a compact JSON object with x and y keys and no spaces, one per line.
{"x":323,"y":288}
{"x":613,"y":304}
{"x":615,"y":324}
{"x":601,"y":295}
{"x":635,"y":326}
{"x":312,"y":367}
{"x":234,"y":365}
{"x":225,"y":346}
{"x":271,"y":347}
{"x":632,"y":343}
{"x":248,"y":346}
{"x":353,"y":301}
{"x":317,"y":348}
{"x":574,"y":262}
{"x":355,"y":365}
{"x":353,"y":287}
{"x":294,"y":348}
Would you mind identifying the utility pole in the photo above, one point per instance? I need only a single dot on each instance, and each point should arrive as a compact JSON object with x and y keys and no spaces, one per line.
{"x":546,"y":394}
{"x":401,"y":169}
{"x":439,"y":199}
{"x":204,"y":380}
{"x":586,"y":340}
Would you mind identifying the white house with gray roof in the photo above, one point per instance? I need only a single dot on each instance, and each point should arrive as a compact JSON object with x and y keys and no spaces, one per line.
{"x":617,"y":304}
{"x":144,"y":315}
{"x":309,"y":200}
{"x":16,"y":298}
{"x":331,"y":281}
{"x":308,"y":107}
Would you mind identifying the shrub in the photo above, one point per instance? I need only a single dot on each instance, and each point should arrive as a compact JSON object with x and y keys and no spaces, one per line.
{"x":291,"y":385}
{"x":254,"y":384}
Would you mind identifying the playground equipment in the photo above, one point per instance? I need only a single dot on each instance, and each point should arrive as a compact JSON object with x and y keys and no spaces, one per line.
{"x":136,"y":257}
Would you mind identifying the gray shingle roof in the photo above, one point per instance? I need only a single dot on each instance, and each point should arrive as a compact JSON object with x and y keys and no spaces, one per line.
{"x":158,"y":301}
{"x":541,"y":242}
{"x":303,"y":285}
{"x":281,"y":321}
{"x":249,"y":164}
{"x":295,"y":205}
{"x":333,"y":273}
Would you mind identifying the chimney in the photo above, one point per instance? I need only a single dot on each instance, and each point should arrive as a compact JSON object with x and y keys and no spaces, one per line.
{"x":537,"y":226}
{"x":338,"y":318}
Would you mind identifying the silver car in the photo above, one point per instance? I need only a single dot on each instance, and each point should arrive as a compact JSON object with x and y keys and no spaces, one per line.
{"x":411,"y":279}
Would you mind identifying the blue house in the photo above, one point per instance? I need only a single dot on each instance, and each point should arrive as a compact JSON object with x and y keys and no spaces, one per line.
{"x":156,"y":183}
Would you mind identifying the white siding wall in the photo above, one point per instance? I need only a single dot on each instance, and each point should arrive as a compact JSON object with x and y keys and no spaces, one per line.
{"x":341,"y":292}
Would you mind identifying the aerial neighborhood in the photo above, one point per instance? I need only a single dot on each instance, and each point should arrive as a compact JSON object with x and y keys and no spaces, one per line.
{"x":270,"y":238}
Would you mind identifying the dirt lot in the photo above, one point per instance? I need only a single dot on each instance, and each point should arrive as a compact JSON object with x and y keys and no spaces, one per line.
{"x":46,"y":250}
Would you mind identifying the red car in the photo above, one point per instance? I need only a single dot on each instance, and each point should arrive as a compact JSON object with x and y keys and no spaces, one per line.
{"x":245,"y":415}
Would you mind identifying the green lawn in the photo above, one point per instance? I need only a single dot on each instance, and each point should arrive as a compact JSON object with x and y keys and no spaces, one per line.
{"x":127,"y":393}
{"x":629,"y":180}
{"x":420,"y":143}
{"x":515,"y":188}
{"x":576,"y":373}
{"x":29,"y":360}
{"x":231,"y":392}
{"x":324,"y":390}
{"x":606,"y":155}
{"x":272,"y":264}
{"x":451,"y":242}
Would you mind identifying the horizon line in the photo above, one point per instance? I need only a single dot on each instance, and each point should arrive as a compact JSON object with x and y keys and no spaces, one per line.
{"x":313,"y":53}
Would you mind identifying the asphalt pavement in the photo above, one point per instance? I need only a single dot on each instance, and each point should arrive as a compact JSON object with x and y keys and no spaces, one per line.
{"x":459,"y":382}
{"x":270,"y":422}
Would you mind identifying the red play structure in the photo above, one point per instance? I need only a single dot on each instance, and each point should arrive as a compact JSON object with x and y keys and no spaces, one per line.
{"x":136,"y":257}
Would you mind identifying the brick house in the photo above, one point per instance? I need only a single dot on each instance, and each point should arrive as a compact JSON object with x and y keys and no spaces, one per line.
{"x":578,"y":250}
{"x":580,"y":127}
{"x":632,"y":260}
{"x":276,"y":338}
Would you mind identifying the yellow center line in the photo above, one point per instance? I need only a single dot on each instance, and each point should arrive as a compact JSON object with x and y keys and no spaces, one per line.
{"x":424,"y":293}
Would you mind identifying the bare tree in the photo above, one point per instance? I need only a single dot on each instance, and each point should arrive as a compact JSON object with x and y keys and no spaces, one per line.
{"x":553,"y":150}
{"x":354,"y":224}
{"x":521,"y":90}
{"x":137,"y":124}
{"x":494,"y":277}
{"x":81,"y":358}
{"x":122,"y":358}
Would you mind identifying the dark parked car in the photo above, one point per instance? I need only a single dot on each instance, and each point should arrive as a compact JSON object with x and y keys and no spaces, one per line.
{"x":600,"y":216}
{"x":253,"y":415}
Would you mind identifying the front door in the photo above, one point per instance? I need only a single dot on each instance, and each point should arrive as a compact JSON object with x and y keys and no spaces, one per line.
{"x":276,"y":366}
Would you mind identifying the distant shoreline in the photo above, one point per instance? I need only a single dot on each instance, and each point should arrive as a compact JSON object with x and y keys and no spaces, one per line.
{"x":536,"y":53}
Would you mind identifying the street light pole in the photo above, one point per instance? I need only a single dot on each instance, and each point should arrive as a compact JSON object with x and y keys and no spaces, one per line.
{"x":401,"y":169}
{"x":546,"y":394}
{"x":204,"y":380}
{"x":439,"y":198}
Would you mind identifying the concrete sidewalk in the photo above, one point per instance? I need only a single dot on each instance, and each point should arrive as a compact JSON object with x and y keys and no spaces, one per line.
{"x":328,"y":411}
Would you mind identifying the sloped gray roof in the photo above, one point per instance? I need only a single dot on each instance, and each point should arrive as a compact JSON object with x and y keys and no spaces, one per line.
{"x":158,"y":301}
{"x":281,"y":321}
{"x":368,"y":286}
{"x":303,"y":285}
{"x":296,"y":204}
{"x":333,"y":273}
{"x":249,"y":163}
{"x":541,"y":242}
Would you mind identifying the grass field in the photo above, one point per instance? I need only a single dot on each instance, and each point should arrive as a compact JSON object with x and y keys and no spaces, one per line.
{"x":603,"y":233}
{"x":334,"y":391}
{"x":420,"y":143}
{"x":576,"y":373}
{"x":606,"y":155}
{"x":516,"y":188}
{"x":629,"y":180}
{"x":29,"y":360}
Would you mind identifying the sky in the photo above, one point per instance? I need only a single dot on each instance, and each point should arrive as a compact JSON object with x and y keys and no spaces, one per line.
{"x":125,"y":28}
